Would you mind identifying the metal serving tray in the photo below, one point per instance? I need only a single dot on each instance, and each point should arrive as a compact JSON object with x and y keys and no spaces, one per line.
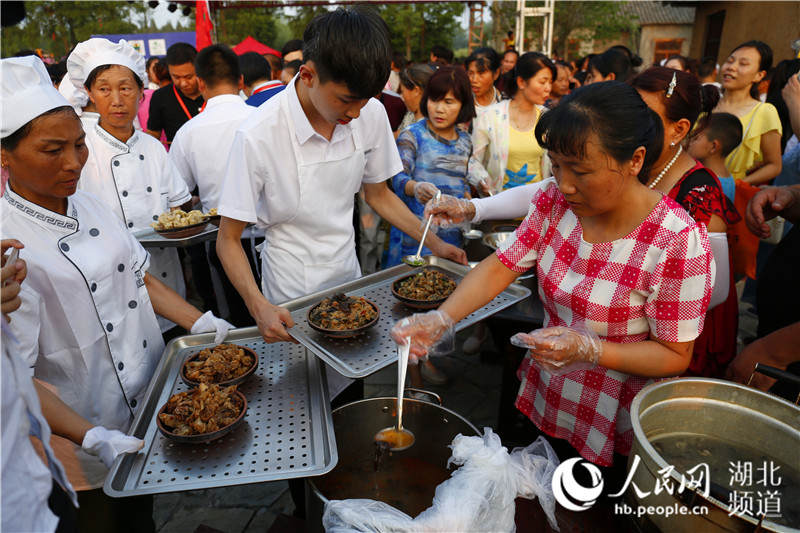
{"x":150,"y":239}
{"x":287,"y":430}
{"x":373,"y":350}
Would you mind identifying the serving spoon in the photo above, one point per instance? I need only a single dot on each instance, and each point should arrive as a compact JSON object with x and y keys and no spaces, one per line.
{"x":397,"y":437}
{"x":417,"y":260}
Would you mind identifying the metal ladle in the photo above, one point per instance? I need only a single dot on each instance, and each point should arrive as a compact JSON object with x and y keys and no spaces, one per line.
{"x":397,"y":437}
{"x":417,"y":260}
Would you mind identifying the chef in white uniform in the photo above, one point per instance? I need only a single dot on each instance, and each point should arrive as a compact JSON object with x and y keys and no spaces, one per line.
{"x":86,"y":325}
{"x":127,"y":170}
{"x":297,"y":163}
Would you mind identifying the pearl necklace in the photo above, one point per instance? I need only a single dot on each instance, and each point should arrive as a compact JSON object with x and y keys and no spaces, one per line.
{"x":666,"y":168}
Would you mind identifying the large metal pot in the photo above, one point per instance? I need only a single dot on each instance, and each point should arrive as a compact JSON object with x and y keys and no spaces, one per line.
{"x":406,"y":479}
{"x":686,"y":422}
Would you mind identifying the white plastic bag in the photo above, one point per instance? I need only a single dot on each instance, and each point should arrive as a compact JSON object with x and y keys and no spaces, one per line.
{"x":479,"y":496}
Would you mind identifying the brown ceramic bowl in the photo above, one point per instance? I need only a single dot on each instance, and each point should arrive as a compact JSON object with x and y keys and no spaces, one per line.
{"x":411,"y":302}
{"x":203,"y":438}
{"x":184,"y":231}
{"x":344,"y":333}
{"x":235,"y":381}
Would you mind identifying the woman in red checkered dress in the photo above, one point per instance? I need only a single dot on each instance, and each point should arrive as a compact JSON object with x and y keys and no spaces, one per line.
{"x":625,"y":275}
{"x":698,"y":190}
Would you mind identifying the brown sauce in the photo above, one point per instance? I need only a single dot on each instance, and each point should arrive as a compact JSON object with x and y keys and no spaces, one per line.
{"x":396,"y":439}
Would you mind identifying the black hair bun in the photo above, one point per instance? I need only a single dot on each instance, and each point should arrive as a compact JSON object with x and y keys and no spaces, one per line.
{"x":636,"y":61}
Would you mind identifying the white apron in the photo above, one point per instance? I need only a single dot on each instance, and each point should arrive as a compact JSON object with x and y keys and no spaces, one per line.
{"x":138,"y":182}
{"x":86,"y":324}
{"x":314,"y":248}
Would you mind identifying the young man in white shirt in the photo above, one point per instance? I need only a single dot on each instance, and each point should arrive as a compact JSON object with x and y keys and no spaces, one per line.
{"x":200,"y":153}
{"x":297,"y":163}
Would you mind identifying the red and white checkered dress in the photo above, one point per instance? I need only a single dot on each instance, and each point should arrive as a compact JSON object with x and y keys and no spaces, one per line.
{"x":655,"y":282}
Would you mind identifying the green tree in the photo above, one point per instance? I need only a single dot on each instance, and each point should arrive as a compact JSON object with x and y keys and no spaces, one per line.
{"x":298,"y":22}
{"x":234,"y":25}
{"x":58,"y":26}
{"x":603,"y":20}
{"x":415,"y":28}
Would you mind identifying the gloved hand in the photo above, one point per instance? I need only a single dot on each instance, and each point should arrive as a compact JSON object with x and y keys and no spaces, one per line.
{"x":561,"y":349}
{"x":424,"y":191}
{"x":109,"y":443}
{"x":429,"y":332}
{"x":449,"y":211}
{"x":208,"y":322}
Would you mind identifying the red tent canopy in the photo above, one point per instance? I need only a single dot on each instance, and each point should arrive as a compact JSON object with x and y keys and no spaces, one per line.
{"x":251,"y":45}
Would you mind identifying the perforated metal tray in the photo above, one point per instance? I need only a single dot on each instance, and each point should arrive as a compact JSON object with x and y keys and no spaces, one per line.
{"x":287,"y":431}
{"x":361,"y":356}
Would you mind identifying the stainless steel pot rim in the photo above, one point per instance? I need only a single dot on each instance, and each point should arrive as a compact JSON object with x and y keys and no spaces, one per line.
{"x":648,"y":448}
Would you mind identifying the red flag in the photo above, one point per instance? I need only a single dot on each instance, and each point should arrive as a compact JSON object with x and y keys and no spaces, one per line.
{"x":203,"y":25}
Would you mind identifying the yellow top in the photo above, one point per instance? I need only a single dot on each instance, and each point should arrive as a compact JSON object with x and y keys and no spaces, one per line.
{"x":524,"y":163}
{"x":762,"y":119}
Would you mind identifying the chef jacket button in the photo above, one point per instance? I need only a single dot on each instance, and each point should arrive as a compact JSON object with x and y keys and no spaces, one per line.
{"x":120,"y":267}
{"x":93,"y":287}
{"x":94,"y":232}
{"x":141,"y":157}
{"x":133,"y":403}
{"x":163,"y":274}
{"x":124,"y":193}
{"x":65,"y":246}
{"x":116,"y":163}
{"x":121,"y":365}
{"x":110,"y":327}
{"x":130,"y":224}
{"x":144,"y":343}
{"x":132,"y":304}
{"x":149,"y":189}
{"x":155,"y":217}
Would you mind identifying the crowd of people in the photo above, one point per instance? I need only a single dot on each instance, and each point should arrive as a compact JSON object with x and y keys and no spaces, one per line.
{"x":642,"y":195}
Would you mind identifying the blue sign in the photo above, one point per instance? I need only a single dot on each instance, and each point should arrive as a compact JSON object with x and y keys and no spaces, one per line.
{"x":152,"y":44}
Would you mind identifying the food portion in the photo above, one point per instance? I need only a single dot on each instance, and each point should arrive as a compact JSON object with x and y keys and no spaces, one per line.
{"x":178,"y":219}
{"x":428,"y":285}
{"x":343,"y":312}
{"x":204,"y":409}
{"x":212,"y":212}
{"x":218,"y":364}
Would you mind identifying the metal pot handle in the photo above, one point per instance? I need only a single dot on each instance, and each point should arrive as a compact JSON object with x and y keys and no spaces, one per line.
{"x":776,"y":373}
{"x":436,"y":397}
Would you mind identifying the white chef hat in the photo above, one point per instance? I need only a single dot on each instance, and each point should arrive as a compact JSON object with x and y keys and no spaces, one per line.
{"x":97,"y":52}
{"x":26,"y":92}
{"x":76,"y":96}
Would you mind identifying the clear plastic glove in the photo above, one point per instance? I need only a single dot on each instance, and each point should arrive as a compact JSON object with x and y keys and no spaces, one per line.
{"x":424,"y":191}
{"x":449,"y":211}
{"x":560,"y":350}
{"x":107,"y":444}
{"x":431,"y":332}
{"x":208,"y":322}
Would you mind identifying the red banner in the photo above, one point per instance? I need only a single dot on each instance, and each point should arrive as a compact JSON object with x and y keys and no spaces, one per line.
{"x":203,"y":25}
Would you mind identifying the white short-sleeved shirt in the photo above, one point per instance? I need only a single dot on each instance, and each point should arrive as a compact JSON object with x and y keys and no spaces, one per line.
{"x":261,"y":183}
{"x":200,"y":148}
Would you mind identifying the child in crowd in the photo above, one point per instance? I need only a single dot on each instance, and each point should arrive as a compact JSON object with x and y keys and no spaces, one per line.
{"x":711,"y":145}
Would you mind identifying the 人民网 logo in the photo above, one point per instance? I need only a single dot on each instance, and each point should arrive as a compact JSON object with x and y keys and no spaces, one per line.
{"x":571,"y":494}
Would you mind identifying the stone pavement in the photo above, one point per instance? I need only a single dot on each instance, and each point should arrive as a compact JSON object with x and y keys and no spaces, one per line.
{"x":473,"y":392}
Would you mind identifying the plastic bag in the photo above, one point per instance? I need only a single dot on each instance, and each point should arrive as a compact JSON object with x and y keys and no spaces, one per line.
{"x":479,"y":496}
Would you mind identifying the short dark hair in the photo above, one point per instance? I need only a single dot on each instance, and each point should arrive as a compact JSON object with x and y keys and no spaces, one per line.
{"x":56,"y":71}
{"x":350,"y":46}
{"x":399,"y":60}
{"x":449,"y":78}
{"x":416,"y":75}
{"x":687,"y":63}
{"x":613,"y":60}
{"x":254,"y":67}
{"x":293,"y":66}
{"x":764,"y":62}
{"x":217,"y":64}
{"x":689,"y":97}
{"x":150,"y":61}
{"x":443,"y":53}
{"x":511,"y":51}
{"x":275,"y":63}
{"x":706,"y":67}
{"x":615,"y":112}
{"x":725,"y":128}
{"x":485,"y":58}
{"x":11,"y":141}
{"x":292,"y":46}
{"x":527,"y":66}
{"x":180,"y":54}
{"x":102,"y":68}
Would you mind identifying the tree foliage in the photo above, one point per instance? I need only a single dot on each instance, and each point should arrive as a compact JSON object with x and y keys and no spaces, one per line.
{"x":415,"y":28}
{"x":58,"y":26}
{"x":602,"y":20}
{"x":233,"y":25}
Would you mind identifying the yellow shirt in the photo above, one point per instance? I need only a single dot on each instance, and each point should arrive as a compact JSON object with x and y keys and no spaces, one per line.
{"x":762,"y":119}
{"x":524,"y":158}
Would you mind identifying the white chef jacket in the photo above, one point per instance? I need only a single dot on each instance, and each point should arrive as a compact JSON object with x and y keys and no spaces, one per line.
{"x":86,"y":324}
{"x":26,"y":480}
{"x":138,"y":182}
{"x":263,"y":185}
{"x":200,"y":148}
{"x":89,"y":120}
